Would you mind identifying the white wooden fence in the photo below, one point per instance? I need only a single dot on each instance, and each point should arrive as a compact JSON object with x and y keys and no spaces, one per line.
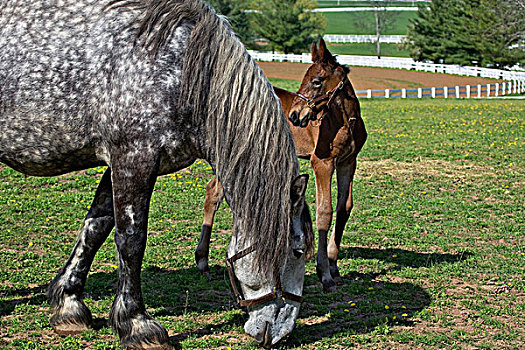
{"x":336,"y":38}
{"x":398,"y":63}
{"x":468,"y":91}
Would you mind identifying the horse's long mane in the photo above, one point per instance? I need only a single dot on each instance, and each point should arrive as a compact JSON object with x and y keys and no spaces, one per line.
{"x":247,"y":135}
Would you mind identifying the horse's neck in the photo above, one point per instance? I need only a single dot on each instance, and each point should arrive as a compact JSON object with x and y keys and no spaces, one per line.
{"x":286,"y":98}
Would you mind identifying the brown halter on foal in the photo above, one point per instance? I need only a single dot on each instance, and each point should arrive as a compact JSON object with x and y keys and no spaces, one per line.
{"x":276,"y":294}
{"x":329,"y":96}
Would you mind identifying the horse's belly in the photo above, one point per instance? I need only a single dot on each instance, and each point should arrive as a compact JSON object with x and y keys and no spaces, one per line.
{"x":42,"y":147}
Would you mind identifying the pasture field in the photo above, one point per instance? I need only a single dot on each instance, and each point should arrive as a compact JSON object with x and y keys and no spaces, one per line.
{"x":368,"y":49}
{"x":433,"y":256}
{"x":354,"y":3}
{"x":364,"y":23}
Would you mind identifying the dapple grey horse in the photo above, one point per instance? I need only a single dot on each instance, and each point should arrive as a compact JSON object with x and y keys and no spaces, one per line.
{"x":146,"y":88}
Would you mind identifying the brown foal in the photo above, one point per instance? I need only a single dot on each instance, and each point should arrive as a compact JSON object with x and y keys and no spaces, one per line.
{"x":325,"y":121}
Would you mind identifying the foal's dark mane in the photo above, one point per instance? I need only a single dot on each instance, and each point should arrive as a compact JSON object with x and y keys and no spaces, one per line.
{"x":227,"y":94}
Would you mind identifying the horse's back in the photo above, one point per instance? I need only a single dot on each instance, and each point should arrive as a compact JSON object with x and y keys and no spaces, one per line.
{"x":70,"y":80}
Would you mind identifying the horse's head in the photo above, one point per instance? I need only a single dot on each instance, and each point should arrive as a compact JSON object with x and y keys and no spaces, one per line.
{"x":321,"y":79}
{"x":273,"y":298}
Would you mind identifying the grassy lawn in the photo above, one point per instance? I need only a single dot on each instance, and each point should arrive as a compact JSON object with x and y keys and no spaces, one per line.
{"x":433,"y":256}
{"x":364,"y":22}
{"x":367,"y":49}
{"x":343,"y":3}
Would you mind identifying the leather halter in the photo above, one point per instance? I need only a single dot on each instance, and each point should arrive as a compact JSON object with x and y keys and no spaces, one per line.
{"x":315,"y":103}
{"x":277,"y":293}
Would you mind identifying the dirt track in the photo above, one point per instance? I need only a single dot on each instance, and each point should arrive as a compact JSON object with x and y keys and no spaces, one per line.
{"x":377,"y":78}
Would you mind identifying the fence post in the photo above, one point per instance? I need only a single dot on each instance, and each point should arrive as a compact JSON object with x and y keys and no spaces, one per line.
{"x":479,"y":90}
{"x":387,"y":93}
{"x":497,"y":90}
{"x":419,"y":92}
{"x":468,"y":91}
{"x":509,"y":87}
{"x":488,"y":90}
{"x":503,"y":90}
{"x":445,"y":92}
{"x":404,"y":93}
{"x":368,"y":93}
{"x":457,"y":91}
{"x":433,"y":90}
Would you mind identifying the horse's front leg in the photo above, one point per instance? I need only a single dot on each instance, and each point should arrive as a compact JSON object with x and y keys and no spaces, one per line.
{"x":211,"y":205}
{"x":71,"y":315}
{"x":323,"y":171}
{"x":133,"y":176}
{"x":345,"y":176}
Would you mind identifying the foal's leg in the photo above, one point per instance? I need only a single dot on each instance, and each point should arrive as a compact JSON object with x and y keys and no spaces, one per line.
{"x":323,"y":170}
{"x":133,"y":178}
{"x":71,"y":315}
{"x":211,"y":204}
{"x":345,"y":176}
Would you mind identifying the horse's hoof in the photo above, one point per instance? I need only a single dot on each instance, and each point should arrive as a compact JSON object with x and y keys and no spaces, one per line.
{"x":71,"y":318}
{"x":66,"y":329}
{"x":149,"y":347}
{"x":145,"y":333}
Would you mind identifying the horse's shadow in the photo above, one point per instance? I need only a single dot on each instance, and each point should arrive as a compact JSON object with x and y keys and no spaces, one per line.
{"x":183,"y":292}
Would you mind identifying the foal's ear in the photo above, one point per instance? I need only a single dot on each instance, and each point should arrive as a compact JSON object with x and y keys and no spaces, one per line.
{"x":324,"y":54}
{"x":299,"y":189}
{"x":315,"y":53}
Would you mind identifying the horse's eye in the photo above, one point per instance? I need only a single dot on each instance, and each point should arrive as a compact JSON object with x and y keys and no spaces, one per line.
{"x":317,"y":83}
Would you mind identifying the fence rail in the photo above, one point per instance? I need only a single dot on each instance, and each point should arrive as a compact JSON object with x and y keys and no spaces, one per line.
{"x":337,"y":38}
{"x":398,"y":63}
{"x":467,"y":91}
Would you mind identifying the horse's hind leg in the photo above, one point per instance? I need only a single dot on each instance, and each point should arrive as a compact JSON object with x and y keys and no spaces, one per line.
{"x":211,"y":204}
{"x":71,"y":315}
{"x":345,"y":176}
{"x":133,"y":178}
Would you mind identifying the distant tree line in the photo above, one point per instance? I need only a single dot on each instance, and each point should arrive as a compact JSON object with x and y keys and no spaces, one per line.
{"x":488,"y":33}
{"x":287,"y":26}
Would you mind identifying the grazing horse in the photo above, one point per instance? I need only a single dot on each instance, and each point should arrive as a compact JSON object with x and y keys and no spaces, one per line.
{"x":325,"y":120}
{"x":147,"y":87}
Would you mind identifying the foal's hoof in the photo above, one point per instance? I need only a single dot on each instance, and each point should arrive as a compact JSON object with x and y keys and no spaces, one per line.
{"x":334,"y":271}
{"x":329,"y":286}
{"x":204,"y":269}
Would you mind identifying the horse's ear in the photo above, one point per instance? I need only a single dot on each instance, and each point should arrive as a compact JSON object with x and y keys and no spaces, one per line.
{"x":324,"y":54}
{"x":315,"y":53}
{"x":298,"y":190}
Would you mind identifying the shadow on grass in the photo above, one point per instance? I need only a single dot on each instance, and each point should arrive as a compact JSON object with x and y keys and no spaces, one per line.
{"x":175,"y":293}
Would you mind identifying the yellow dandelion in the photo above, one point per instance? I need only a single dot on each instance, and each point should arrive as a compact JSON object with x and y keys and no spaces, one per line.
{"x":387,"y":307}
{"x":404,"y":315}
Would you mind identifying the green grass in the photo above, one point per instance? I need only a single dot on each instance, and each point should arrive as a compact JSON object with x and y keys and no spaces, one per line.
{"x":342,"y":3}
{"x":364,"y":22}
{"x":433,"y":256}
{"x":367,"y":49}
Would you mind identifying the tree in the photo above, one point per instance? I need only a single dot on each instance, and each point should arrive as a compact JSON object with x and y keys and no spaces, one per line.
{"x":383,"y":21}
{"x":235,"y":11}
{"x":501,"y":32}
{"x":289,"y":26}
{"x":471,"y":32}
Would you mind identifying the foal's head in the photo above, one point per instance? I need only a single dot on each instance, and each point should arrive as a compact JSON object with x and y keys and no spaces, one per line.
{"x":322,"y":76}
